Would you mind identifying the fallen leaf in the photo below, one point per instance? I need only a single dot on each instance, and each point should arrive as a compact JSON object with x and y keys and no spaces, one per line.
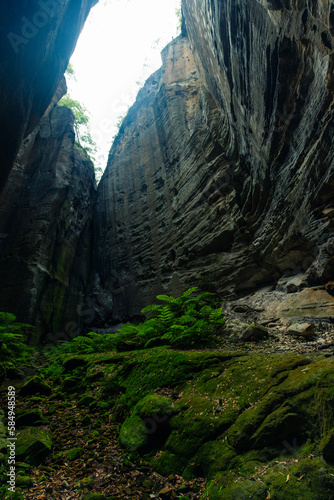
{"x":268,"y":495}
{"x":287,"y":478}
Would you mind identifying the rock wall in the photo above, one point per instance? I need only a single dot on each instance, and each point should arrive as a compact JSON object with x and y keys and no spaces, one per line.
{"x":46,"y":227}
{"x":223,"y":168}
{"x":37,"y":38}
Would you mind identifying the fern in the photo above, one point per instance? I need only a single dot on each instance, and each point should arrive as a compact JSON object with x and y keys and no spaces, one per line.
{"x":190,"y":291}
{"x":166,"y":298}
{"x":185,"y":321}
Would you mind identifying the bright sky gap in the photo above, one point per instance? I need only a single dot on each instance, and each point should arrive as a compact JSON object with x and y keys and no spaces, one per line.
{"x":119,"y":48}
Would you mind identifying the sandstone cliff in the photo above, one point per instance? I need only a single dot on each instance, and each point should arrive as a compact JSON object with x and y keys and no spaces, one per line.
{"x":46,"y":227}
{"x":37,"y":38}
{"x":223,"y":168}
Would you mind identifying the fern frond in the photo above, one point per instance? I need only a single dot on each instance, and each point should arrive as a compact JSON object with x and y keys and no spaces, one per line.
{"x":166,"y":298}
{"x":189,"y":291}
{"x":153,"y":307}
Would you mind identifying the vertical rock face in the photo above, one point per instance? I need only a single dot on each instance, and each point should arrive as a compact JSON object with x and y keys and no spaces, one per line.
{"x":223,"y":168}
{"x":46,"y":227}
{"x":37,"y":38}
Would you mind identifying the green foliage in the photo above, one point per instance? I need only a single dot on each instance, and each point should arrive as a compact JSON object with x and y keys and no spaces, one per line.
{"x":70,"y":73}
{"x":81,"y":124}
{"x":178,"y":13}
{"x":186,"y":321}
{"x":81,"y":119}
{"x":183,"y":322}
{"x":120,"y":120}
{"x":13,"y":341}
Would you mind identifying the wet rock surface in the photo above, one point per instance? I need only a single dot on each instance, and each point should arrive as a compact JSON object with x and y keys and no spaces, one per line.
{"x":46,"y":224}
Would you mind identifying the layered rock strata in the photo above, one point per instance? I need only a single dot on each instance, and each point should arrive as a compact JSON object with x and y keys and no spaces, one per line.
{"x":46,"y":228}
{"x":37,"y":38}
{"x":223,"y":168}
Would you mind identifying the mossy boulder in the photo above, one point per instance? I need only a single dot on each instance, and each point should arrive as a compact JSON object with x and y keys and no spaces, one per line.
{"x":72,"y":384}
{"x":154,"y":405}
{"x":307,"y":478}
{"x":230,"y":418}
{"x":149,"y":416}
{"x":183,"y":444}
{"x":212,"y":457}
{"x":35,"y":385}
{"x":167,"y":463}
{"x":255,"y":333}
{"x":29,"y":418}
{"x":74,"y":362}
{"x":33,"y":445}
{"x":133,"y":433}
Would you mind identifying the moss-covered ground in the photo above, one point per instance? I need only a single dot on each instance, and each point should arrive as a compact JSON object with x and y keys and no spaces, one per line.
{"x":253,"y":426}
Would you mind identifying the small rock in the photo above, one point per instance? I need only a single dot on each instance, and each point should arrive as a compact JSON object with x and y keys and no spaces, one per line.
{"x":241,"y":309}
{"x":87,"y":482}
{"x":29,"y":418}
{"x":166,"y":491}
{"x":304,"y":330}
{"x":71,"y":384}
{"x":35,"y":385}
{"x":33,"y":445}
{"x":23,"y":482}
{"x":74,"y":362}
{"x":94,"y":496}
{"x":74,"y":454}
{"x":255,"y":332}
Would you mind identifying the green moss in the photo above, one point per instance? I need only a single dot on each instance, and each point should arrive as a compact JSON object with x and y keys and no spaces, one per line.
{"x":183,"y":444}
{"x":212,"y":457}
{"x":33,"y":445}
{"x":29,"y":418}
{"x":153,"y":404}
{"x":307,"y":478}
{"x":142,"y":372}
{"x":275,"y":407}
{"x":35,"y":385}
{"x":23,"y":482}
{"x":326,"y":446}
{"x":72,"y":384}
{"x":168,"y":463}
{"x":133,"y":433}
{"x":73,"y":454}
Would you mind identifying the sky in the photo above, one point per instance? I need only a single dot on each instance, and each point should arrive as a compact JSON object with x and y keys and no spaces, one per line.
{"x":118,"y":49}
